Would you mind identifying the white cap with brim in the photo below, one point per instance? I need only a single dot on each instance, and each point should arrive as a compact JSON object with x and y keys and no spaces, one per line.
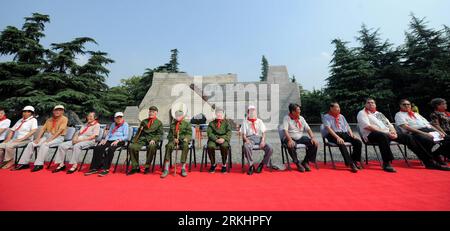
{"x":58,"y":107}
{"x":251,"y":107}
{"x":118,"y":114}
{"x":28,"y":108}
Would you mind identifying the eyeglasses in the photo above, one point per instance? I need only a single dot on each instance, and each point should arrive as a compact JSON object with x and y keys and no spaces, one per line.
{"x":406,"y":104}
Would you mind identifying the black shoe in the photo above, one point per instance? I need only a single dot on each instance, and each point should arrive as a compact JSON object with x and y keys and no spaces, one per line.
{"x":353,"y":168}
{"x":133,"y":171}
{"x":437,"y":167}
{"x":300,"y":168}
{"x":306,"y":166}
{"x":387,"y":167}
{"x":146,"y":170}
{"x":359,"y":166}
{"x":92,"y":171}
{"x":59,"y":169}
{"x":72,"y":170}
{"x":439,"y":160}
{"x":224,"y":169}
{"x":212,"y":169}
{"x":251,"y":169}
{"x":103,"y":173}
{"x":21,"y":166}
{"x":260,"y":168}
{"x":37,"y":168}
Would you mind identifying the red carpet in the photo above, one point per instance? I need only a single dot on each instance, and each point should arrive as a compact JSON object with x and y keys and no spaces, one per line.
{"x":324,"y":189}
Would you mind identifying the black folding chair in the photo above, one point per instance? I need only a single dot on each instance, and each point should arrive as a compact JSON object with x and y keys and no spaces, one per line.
{"x":392,"y":143}
{"x":284,"y":148}
{"x":326,"y":143}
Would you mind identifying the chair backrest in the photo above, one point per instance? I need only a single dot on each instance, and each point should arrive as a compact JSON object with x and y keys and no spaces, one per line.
{"x":360,"y":134}
{"x":281,"y":133}
{"x":70,"y":133}
{"x":193,"y":133}
{"x":101,"y":134}
{"x":323,"y":131}
{"x":130,"y":133}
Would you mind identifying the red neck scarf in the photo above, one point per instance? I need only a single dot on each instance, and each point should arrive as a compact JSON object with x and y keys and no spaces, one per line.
{"x":336,"y":118}
{"x":253,"y":124}
{"x":3,"y":118}
{"x":150,"y":121}
{"x":297,"y":120}
{"x":443,"y":111}
{"x":177,"y":126}
{"x":54,"y":120}
{"x":410,"y":113}
{"x":87,"y":126}
{"x":23,"y":121}
{"x":219,"y":121}
{"x":368,"y":111}
{"x":117,"y":126}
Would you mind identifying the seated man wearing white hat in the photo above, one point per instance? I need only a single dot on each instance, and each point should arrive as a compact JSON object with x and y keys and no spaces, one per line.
{"x":52,"y":133}
{"x":20,"y":134}
{"x":254,"y":133}
{"x":104,"y":151}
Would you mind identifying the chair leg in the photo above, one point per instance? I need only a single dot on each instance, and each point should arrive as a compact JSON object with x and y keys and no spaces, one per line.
{"x":287,"y":159}
{"x":230,"y":161}
{"x":160,"y":157}
{"x":153,"y":162}
{"x":20,"y":156}
{"x":367,"y":159}
{"x":195,"y":158}
{"x":190,"y":159}
{"x":82,"y":162}
{"x":117,"y":161}
{"x":376,"y":154}
{"x":201,"y":162}
{"x":282,"y":154}
{"x":331,"y":157}
{"x":51,"y":160}
{"x":242,"y":166}
{"x":404,"y":156}
{"x":324,"y":154}
{"x":270,"y":164}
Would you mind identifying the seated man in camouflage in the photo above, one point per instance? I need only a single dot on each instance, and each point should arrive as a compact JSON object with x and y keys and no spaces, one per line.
{"x":219,"y":135}
{"x":179,"y":136}
{"x":149,"y":134}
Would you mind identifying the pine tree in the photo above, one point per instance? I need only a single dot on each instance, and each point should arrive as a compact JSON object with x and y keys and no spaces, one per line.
{"x":264,"y":69}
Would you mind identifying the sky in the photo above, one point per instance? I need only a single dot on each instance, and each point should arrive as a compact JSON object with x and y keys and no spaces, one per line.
{"x":217,"y":37}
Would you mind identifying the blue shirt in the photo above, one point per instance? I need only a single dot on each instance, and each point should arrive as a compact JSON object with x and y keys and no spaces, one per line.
{"x":329,"y":121}
{"x":121,"y":133}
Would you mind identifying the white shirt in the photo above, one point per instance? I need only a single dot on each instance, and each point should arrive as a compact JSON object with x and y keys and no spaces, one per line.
{"x":417,"y":123}
{"x":371,"y":119}
{"x":292,"y":128}
{"x":247,"y":128}
{"x":4,"y":124}
{"x":28,"y":125}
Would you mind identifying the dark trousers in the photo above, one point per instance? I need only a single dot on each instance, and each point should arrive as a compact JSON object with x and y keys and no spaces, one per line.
{"x":383,"y":141}
{"x":103,"y":155}
{"x":224,"y":149}
{"x":311,"y":150}
{"x":356,"y":143}
{"x":427,"y":143}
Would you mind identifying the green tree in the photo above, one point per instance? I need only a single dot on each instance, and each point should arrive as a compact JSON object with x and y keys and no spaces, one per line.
{"x":264,"y":69}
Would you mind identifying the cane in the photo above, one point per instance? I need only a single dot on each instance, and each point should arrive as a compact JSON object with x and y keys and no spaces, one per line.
{"x":176,"y":155}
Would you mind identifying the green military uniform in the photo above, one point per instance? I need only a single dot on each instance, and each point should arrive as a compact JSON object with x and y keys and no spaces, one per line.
{"x":154,"y":132}
{"x":185,"y":136}
{"x":214,"y":132}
